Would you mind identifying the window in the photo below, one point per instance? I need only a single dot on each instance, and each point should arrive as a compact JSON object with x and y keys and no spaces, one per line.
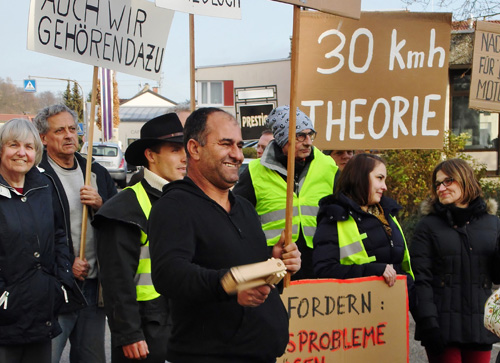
{"x":212,"y":93}
{"x":102,"y":150}
{"x":216,"y":93}
{"x":482,"y":127}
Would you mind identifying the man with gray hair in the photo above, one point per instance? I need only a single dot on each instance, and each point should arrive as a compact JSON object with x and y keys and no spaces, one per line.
{"x":83,"y":325}
{"x":264,"y":184}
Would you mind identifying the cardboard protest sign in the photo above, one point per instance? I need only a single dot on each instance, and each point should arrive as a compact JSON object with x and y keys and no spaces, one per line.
{"x":253,"y":119}
{"x":485,"y":84}
{"x":354,"y":320}
{"x":127,"y":36}
{"x":376,"y":83}
{"x":218,"y":8}
{"x":351,"y":8}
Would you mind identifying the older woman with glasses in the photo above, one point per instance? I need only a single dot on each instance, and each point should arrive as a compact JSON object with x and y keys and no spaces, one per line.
{"x":455,"y":258}
{"x":35,"y":270}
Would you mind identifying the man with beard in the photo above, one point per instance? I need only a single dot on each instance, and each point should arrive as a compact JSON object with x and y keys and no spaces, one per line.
{"x":264,"y":184}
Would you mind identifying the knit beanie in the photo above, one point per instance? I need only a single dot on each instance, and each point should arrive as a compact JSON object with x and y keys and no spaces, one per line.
{"x":278,"y":119}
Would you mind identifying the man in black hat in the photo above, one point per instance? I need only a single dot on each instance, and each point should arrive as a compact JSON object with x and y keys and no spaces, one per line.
{"x":137,"y":314}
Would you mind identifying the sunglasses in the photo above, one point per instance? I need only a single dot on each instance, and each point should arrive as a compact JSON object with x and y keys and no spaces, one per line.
{"x":301,"y":136}
{"x":446,"y":182}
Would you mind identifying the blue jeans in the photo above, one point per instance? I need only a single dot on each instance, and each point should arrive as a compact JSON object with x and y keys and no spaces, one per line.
{"x":84,"y":329}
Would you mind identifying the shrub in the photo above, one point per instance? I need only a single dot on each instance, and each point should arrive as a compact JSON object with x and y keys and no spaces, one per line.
{"x":250,"y":152}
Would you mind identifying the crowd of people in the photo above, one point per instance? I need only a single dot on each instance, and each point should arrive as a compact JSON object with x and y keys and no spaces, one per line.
{"x":155,"y":254}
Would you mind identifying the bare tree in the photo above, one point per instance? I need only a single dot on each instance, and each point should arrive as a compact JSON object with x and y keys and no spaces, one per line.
{"x":462,"y":9}
{"x":13,"y":99}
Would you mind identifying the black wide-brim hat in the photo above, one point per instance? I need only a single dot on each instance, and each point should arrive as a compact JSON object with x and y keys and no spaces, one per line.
{"x":164,"y":128}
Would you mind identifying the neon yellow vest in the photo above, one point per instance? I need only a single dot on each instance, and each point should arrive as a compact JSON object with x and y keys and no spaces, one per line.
{"x":352,"y":249}
{"x":144,"y":285}
{"x":270,"y":193}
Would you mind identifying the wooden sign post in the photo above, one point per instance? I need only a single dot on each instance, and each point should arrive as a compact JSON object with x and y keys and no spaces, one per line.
{"x":90,"y":142}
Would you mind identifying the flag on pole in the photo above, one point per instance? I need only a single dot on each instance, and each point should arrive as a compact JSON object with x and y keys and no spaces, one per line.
{"x":106,"y":103}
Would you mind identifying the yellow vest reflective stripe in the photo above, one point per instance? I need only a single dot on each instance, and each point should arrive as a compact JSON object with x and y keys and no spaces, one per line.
{"x":352,"y":249}
{"x":143,"y":283}
{"x":270,"y":193}
{"x":406,"y":265}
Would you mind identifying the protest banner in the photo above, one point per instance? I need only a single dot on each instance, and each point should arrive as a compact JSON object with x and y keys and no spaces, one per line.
{"x":376,"y":83}
{"x":350,"y":9}
{"x":485,"y":84}
{"x":127,"y":36}
{"x":354,"y":320}
{"x":218,"y":8}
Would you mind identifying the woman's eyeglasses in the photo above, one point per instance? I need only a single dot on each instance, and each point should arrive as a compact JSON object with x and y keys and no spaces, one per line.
{"x":446,"y":182}
{"x":301,"y":136}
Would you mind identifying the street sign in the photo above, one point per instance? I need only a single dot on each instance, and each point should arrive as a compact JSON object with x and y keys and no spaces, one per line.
{"x":29,"y":85}
{"x":80,"y":129}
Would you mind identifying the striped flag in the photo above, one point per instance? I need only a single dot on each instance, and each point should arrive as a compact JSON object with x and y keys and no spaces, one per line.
{"x":106,"y":103}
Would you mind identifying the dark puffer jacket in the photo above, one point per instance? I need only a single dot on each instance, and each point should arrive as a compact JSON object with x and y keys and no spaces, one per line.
{"x":387,"y":250}
{"x":34,"y":262}
{"x":454,"y":269}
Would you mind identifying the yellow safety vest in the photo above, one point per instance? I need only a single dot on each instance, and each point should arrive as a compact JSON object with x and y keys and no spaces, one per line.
{"x":143,"y":282}
{"x":270,"y":193}
{"x":352,"y":249}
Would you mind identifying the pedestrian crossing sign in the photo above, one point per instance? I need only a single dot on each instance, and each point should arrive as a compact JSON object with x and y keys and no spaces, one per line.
{"x":29,"y":85}
{"x":80,"y":129}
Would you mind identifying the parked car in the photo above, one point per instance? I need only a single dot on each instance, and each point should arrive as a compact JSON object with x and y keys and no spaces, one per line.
{"x":110,"y":156}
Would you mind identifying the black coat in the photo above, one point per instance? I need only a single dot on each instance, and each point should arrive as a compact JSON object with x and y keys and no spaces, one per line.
{"x":105,"y":185}
{"x":106,"y":188}
{"x":193,"y":243}
{"x":454,"y":269}
{"x":387,"y":250}
{"x":34,"y":262}
{"x":119,"y":223}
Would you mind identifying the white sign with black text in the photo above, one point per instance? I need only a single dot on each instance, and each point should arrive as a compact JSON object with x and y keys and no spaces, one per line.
{"x":127,"y":36}
{"x":217,"y":8}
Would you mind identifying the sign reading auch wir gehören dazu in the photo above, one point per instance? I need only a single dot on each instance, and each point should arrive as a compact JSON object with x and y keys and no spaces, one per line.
{"x":128,"y":36}
{"x":379,"y":82}
{"x":354,"y":320}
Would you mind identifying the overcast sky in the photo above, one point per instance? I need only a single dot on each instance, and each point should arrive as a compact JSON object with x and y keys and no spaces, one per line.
{"x":262,"y":34}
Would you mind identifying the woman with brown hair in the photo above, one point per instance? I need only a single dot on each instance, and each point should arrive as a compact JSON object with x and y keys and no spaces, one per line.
{"x":358,"y":234}
{"x":455,"y":257}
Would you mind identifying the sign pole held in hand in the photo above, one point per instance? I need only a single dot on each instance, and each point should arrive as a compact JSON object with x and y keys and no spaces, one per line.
{"x":90,"y":140}
{"x":291,"y":133}
{"x":191,"y":61}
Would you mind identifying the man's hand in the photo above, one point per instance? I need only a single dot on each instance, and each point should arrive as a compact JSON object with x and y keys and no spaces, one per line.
{"x":390,"y":275}
{"x":80,"y":268}
{"x":89,"y":196}
{"x":254,"y":297}
{"x":290,"y":255}
{"x":138,"y":350}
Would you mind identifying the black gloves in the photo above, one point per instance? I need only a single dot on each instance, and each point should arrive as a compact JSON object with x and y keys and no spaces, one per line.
{"x":433,"y":341}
